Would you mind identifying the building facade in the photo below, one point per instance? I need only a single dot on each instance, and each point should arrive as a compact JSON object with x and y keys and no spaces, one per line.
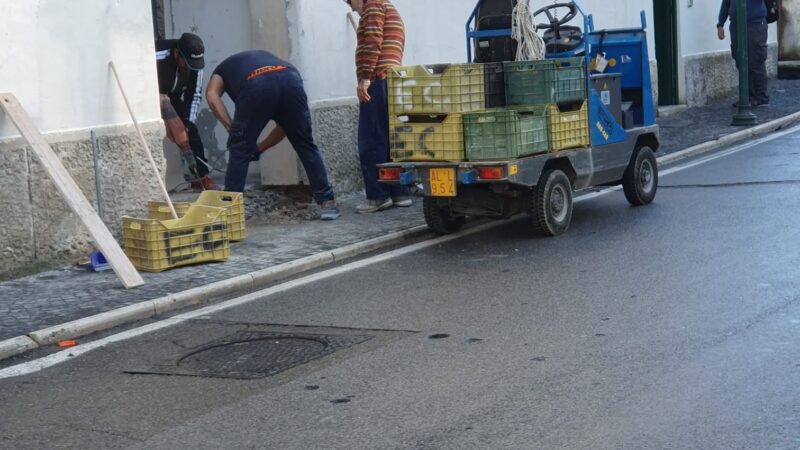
{"x":58,"y":68}
{"x":54,"y":59}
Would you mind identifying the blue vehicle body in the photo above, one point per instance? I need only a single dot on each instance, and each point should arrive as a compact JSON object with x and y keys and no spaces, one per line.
{"x":627,"y":53}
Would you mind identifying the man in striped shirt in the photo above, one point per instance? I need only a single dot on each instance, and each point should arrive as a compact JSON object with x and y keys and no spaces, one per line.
{"x":180,"y":64}
{"x":381,"y":39}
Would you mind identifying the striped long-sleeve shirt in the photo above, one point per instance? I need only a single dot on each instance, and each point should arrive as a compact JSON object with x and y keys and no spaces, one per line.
{"x":381,"y":39}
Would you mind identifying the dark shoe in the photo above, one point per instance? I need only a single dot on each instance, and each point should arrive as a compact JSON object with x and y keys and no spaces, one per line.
{"x":329,"y":210}
{"x":374,"y":206}
{"x":402,"y":202}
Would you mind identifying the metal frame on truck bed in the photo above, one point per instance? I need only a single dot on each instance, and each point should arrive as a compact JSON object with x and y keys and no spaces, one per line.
{"x":622,"y":150}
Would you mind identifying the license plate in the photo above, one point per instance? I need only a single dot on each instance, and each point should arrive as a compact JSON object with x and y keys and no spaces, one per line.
{"x":443,"y":182}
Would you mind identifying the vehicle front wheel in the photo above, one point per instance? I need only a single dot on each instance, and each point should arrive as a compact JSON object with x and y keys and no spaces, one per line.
{"x":640,"y":182}
{"x":439,"y":218}
{"x":552,"y":203}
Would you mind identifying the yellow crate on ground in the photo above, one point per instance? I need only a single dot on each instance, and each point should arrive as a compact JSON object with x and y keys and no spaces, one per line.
{"x":201,"y":235}
{"x":232,"y":202}
{"x":427,"y":138}
{"x":569,"y":127}
{"x":436,"y":89}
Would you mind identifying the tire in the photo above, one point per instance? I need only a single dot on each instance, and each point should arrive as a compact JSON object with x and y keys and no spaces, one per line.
{"x":439,"y":219}
{"x":640,"y":182}
{"x":551,"y":203}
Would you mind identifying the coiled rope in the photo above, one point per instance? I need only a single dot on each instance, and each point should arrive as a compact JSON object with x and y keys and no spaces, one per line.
{"x":530,"y":46}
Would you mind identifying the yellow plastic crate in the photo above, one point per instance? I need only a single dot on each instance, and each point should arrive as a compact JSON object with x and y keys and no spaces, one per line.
{"x":569,"y":128}
{"x":232,"y":202}
{"x":427,"y":138}
{"x":201,"y":235}
{"x":437,"y":89}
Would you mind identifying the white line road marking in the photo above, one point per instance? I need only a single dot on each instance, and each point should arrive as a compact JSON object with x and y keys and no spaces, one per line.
{"x":67,"y":355}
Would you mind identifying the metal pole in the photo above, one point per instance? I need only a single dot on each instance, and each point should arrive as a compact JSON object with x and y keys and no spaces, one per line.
{"x":95,"y":158}
{"x":744,"y":116}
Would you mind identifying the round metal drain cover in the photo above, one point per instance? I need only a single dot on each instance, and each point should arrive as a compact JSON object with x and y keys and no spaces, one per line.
{"x":265,"y":356}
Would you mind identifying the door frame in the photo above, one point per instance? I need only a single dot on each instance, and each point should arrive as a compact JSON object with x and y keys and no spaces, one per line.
{"x":665,"y":37}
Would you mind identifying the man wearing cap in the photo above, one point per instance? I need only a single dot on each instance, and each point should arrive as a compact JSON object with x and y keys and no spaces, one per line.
{"x":180,"y":64}
{"x":265,"y":88}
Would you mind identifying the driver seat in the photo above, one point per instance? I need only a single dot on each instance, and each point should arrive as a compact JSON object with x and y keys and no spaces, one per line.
{"x":571,"y":38}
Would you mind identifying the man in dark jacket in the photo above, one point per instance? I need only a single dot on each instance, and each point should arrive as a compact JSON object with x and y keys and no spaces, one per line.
{"x":757,"y":31}
{"x":180,"y":64}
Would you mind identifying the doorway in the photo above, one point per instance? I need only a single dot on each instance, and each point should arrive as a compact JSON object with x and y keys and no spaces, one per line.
{"x":665,"y":33}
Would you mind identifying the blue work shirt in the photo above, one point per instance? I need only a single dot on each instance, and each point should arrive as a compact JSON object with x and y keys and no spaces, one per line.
{"x":239,"y":68}
{"x":756,"y":11}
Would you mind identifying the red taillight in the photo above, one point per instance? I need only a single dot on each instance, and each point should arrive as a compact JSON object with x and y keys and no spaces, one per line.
{"x":389,"y":174}
{"x":491,"y":173}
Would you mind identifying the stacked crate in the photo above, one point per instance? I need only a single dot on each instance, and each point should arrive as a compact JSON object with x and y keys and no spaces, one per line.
{"x":487,"y":112}
{"x":560,"y":85}
{"x":427,"y":104}
{"x":506,"y":133}
{"x":201,"y":235}
{"x":232,"y":204}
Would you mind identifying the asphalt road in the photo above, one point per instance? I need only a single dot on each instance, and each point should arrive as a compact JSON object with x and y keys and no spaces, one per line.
{"x":669,"y":326}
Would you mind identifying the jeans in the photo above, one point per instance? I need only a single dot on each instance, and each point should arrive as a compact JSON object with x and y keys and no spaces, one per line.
{"x":277,"y":96}
{"x":756,"y":59}
{"x":197,"y":147}
{"x":373,"y":142}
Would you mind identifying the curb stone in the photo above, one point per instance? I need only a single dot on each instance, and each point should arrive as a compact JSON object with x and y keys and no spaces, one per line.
{"x":729,"y":139}
{"x":196,"y":296}
{"x":200,"y":295}
{"x":15,"y":346}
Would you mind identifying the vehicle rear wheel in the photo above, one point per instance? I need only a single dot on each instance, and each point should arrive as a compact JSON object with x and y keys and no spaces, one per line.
{"x":439,"y":218}
{"x":551,"y":203}
{"x":640,"y":182}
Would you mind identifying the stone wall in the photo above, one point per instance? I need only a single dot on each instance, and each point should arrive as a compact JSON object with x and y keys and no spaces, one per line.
{"x":335,"y":125}
{"x":713,"y":76}
{"x":37,"y":226}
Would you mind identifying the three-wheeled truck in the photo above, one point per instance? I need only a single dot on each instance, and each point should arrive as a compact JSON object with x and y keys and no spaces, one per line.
{"x":623,"y":136}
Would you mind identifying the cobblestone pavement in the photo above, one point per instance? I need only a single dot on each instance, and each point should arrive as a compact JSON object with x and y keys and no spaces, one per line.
{"x":58,"y":296}
{"x":55,"y":297}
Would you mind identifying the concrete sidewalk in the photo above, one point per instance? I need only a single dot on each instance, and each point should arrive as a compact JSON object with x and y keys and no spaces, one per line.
{"x":52,"y":298}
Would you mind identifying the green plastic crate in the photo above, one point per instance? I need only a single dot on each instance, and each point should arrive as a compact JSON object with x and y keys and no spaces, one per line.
{"x":506,"y":133}
{"x":559,"y":80}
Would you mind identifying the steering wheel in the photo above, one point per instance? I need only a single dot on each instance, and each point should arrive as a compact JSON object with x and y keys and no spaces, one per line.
{"x":556,"y":23}
{"x":560,"y":37}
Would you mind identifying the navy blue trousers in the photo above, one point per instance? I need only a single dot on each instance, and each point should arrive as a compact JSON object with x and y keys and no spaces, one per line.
{"x":277,"y":96}
{"x":373,"y":142}
{"x":757,"y":33}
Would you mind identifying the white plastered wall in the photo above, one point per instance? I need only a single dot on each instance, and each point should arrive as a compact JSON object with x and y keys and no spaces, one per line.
{"x":54,"y":57}
{"x":697,"y":25}
{"x":323,"y":42}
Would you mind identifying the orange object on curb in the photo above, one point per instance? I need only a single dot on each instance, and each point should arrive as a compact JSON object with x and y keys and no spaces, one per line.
{"x":64,"y":344}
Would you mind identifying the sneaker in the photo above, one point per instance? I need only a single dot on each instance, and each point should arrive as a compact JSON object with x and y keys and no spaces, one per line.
{"x":402,"y":202}
{"x":329,"y":210}
{"x":374,"y":206}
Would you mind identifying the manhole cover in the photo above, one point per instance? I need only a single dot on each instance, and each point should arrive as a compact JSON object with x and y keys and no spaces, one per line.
{"x":254,"y":354}
{"x":267,"y":356}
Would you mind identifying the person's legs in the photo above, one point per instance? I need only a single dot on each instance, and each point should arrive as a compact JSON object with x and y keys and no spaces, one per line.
{"x":373,"y":140}
{"x":254,"y":110}
{"x":380,"y":135}
{"x":757,"y":62}
{"x":295,"y":119}
{"x":197,"y":148}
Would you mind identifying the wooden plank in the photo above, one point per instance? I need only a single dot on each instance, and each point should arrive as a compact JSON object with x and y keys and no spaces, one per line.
{"x":71,"y":193}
